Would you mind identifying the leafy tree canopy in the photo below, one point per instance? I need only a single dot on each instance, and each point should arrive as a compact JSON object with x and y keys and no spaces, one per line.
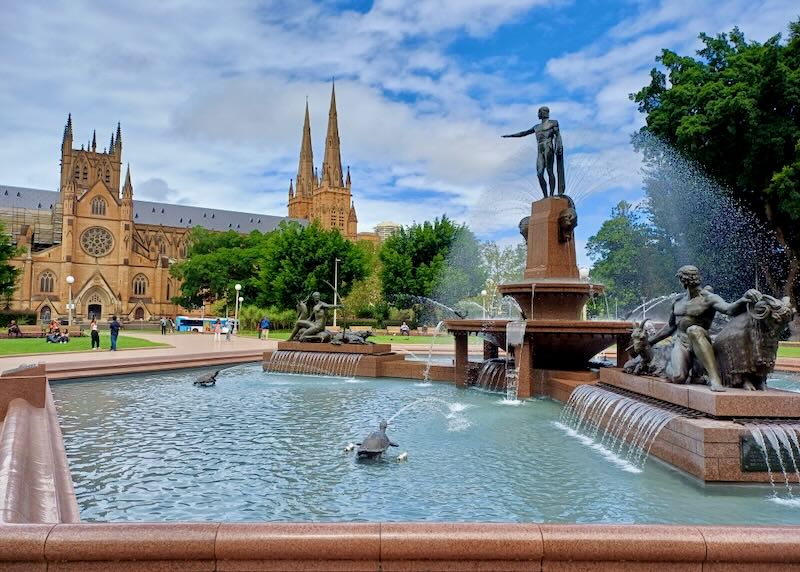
{"x":274,"y":269}
{"x":438,"y":260}
{"x":296,"y":261}
{"x":631,"y":259}
{"x":735,"y":109}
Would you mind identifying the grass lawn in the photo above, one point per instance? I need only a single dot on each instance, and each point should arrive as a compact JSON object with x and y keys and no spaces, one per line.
{"x":17,"y":346}
{"x":441,"y":339}
{"x":788,"y":351}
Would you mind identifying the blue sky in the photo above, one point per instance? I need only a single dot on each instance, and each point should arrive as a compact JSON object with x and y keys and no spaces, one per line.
{"x":211,"y":96}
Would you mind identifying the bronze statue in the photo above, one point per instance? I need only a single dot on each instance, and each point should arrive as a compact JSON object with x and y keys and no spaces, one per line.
{"x":689,"y":322}
{"x":310,"y":325}
{"x":747,"y":346}
{"x":550,"y":148}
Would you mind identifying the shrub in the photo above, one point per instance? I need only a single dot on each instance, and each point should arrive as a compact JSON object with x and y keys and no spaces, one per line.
{"x":21,"y":316}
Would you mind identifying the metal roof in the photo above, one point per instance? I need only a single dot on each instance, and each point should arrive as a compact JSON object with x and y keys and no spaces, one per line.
{"x":146,"y":212}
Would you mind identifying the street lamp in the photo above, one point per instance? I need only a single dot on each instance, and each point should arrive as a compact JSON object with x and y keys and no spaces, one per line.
{"x":483,"y":297}
{"x":238,"y":287}
{"x":70,"y":280}
{"x":335,"y":285}
{"x":236,"y":330}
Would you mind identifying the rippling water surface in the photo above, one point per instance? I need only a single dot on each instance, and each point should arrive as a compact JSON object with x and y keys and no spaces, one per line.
{"x":270,"y":447}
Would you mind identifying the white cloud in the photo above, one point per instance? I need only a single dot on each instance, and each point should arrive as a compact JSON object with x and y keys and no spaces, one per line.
{"x":211,"y":98}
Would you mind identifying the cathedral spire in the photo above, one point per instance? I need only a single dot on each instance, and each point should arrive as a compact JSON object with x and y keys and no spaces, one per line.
{"x":68,"y":128}
{"x":332,"y":164}
{"x":291,"y":189}
{"x":347,"y":180}
{"x":111,"y":145}
{"x":118,"y":140}
{"x":305,"y":169}
{"x":127,"y":189}
{"x":94,"y":140}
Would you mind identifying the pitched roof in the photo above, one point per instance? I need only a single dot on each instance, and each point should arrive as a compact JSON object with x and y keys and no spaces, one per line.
{"x":147,"y":212}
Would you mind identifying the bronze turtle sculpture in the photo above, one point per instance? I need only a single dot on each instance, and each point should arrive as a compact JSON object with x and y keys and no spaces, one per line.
{"x":375,"y":444}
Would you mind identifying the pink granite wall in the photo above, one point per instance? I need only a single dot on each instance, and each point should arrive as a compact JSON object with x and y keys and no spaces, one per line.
{"x":387,"y":547}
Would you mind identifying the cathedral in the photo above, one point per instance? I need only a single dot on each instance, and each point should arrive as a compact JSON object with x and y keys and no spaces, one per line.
{"x":92,"y":243}
{"x":324,"y":197}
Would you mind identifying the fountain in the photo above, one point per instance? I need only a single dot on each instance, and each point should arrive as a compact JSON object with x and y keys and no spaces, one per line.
{"x":551,"y":297}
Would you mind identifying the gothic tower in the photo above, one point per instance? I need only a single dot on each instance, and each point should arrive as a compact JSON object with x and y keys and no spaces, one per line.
{"x":326,"y":197}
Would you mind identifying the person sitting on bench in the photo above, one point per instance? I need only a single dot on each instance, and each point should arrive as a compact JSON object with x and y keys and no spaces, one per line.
{"x":13,"y":330}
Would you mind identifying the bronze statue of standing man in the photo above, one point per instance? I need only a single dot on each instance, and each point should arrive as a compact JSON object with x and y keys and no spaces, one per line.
{"x":550,"y":150}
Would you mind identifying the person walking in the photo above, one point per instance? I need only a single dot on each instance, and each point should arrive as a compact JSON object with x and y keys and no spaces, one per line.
{"x":95,"y":335}
{"x":217,"y":330}
{"x":114,"y":326}
{"x":163,"y":326}
{"x":264,"y":329}
{"x":171,"y":326}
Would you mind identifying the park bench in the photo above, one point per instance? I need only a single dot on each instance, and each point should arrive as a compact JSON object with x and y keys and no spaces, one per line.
{"x":27,"y":331}
{"x":360,"y":328}
{"x":395,"y":331}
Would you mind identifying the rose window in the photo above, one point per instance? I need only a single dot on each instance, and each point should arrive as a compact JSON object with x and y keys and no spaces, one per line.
{"x":97,"y":241}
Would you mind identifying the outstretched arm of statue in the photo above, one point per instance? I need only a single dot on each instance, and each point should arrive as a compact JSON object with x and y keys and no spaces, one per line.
{"x":521,"y":133}
{"x":735,"y":308}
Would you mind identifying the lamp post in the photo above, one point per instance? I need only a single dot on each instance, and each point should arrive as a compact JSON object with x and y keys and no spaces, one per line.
{"x":238,"y":288}
{"x":236,"y":331}
{"x":70,"y":280}
{"x":483,"y":298}
{"x":335,"y":286}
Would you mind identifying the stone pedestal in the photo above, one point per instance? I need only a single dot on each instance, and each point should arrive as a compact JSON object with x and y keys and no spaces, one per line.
{"x":547,"y":256}
{"x":552,"y":289}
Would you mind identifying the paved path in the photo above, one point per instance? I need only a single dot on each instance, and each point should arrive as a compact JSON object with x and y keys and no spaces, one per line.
{"x":181,"y":345}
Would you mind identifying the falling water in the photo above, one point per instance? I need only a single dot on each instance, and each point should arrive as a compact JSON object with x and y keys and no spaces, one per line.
{"x":338,"y":364}
{"x":492,"y":375}
{"x":621,"y":428}
{"x":515,"y":336}
{"x":779,"y":441}
{"x":426,"y":374}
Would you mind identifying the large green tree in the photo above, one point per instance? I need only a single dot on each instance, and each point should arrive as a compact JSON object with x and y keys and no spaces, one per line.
{"x":735,"y":110}
{"x":297,"y":260}
{"x":631,"y":258}
{"x":215,"y":262}
{"x":8,"y":273}
{"x":438,"y":260}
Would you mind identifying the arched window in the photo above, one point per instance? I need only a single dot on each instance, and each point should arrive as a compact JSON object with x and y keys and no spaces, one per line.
{"x":108,"y":176}
{"x":77,"y":172}
{"x":162,"y":248}
{"x":85,"y":172}
{"x":47,"y":281}
{"x":98,"y":206}
{"x":139,"y":285}
{"x":44,"y":314}
{"x":169,"y":291}
{"x":138,"y":314}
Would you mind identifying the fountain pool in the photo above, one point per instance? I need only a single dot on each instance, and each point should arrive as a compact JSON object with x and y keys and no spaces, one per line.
{"x":269,"y":447}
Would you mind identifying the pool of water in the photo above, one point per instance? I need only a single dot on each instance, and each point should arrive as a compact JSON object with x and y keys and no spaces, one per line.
{"x":270,"y":447}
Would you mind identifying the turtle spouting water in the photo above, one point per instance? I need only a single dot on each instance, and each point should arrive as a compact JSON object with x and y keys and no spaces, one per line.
{"x":375,"y":444}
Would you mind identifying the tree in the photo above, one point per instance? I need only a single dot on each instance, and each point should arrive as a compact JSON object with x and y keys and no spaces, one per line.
{"x":215,"y":262}
{"x":438,"y":260}
{"x":295,"y":261}
{"x":631,"y":259}
{"x":736,"y":111}
{"x":8,"y":273}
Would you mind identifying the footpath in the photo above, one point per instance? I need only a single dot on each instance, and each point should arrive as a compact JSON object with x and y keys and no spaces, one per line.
{"x":200,"y":350}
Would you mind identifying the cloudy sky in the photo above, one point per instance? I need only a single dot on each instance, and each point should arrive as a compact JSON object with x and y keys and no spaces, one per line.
{"x":211,"y":95}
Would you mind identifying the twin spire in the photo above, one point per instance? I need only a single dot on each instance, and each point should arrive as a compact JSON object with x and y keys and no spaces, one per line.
{"x":307,"y":178}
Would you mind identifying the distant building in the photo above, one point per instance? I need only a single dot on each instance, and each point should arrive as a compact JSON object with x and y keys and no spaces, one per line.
{"x":118,"y":250}
{"x":385,"y":229}
{"x":324,"y":197}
